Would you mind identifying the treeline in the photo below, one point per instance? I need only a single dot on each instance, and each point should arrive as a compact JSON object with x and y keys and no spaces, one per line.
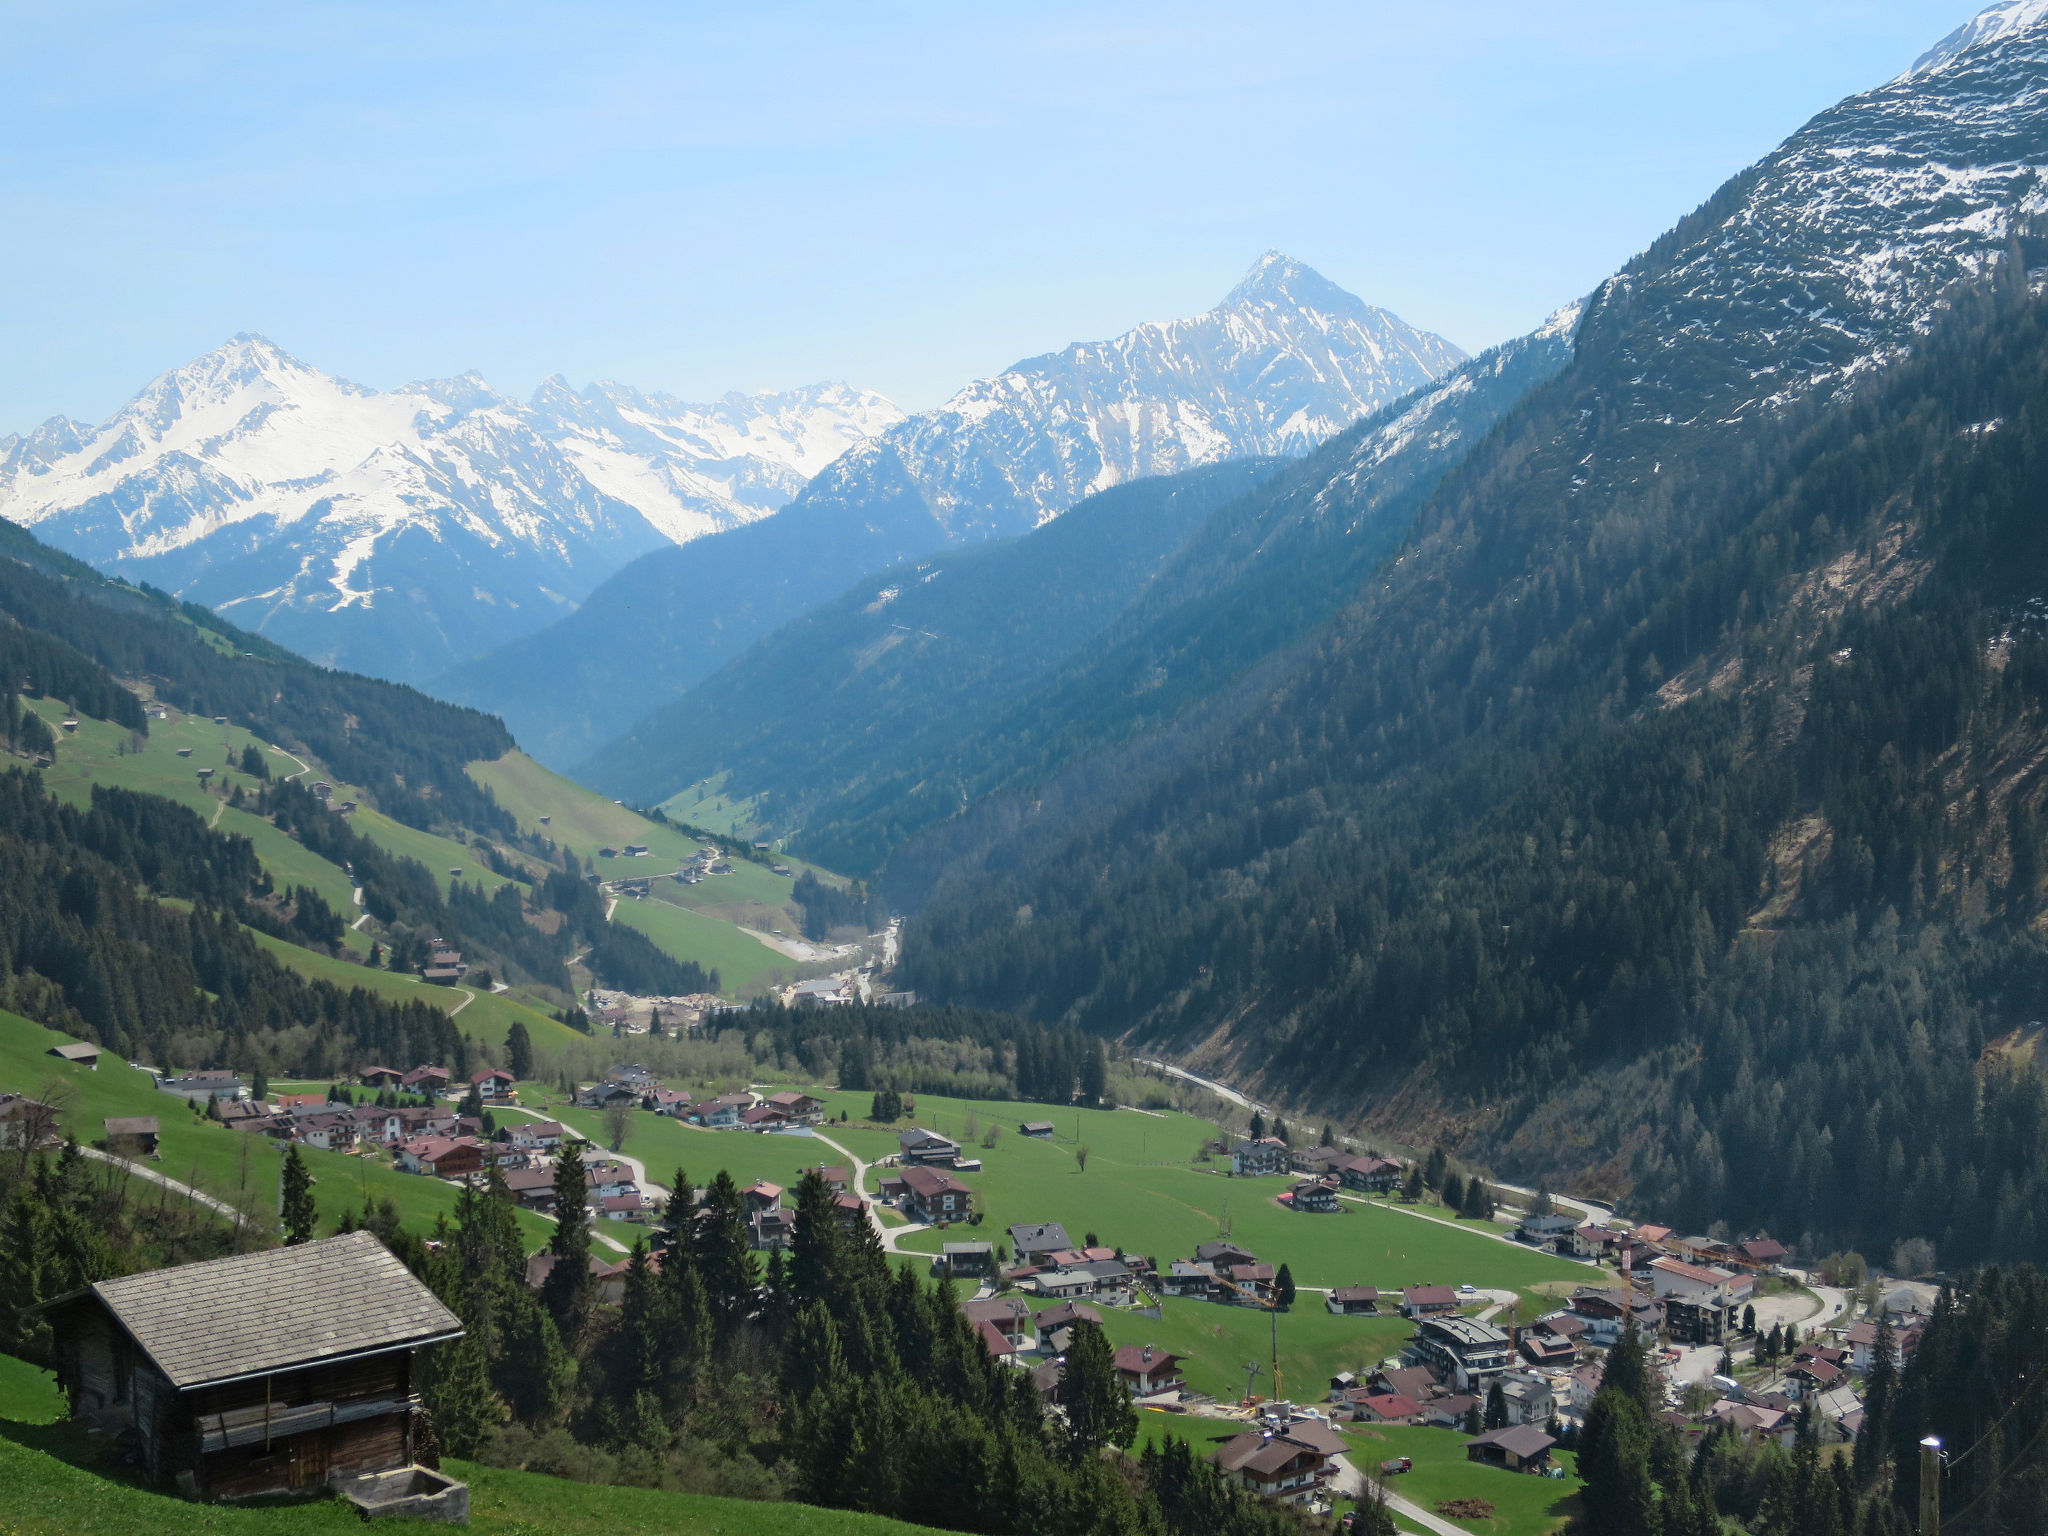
{"x":405,"y":896}
{"x":1495,"y":833}
{"x":992,"y":1055}
{"x":827,"y":907}
{"x":823,"y":1375}
{"x":407,"y":751}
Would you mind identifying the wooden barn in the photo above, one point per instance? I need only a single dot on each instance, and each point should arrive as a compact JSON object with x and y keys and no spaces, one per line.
{"x":266,"y":1373}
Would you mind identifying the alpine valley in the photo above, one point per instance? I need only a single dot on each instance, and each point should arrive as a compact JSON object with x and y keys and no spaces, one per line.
{"x":1285,"y":361}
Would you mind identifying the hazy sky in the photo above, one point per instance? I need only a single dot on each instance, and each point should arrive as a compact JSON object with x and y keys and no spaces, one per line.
{"x":701,"y":198}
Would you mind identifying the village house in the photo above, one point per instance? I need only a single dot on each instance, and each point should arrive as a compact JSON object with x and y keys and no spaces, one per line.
{"x":1518,"y":1448}
{"x":1355,"y":1300}
{"x":1369,"y":1173}
{"x":1451,"y":1411}
{"x":1594,"y":1243}
{"x":26,"y":1122}
{"x":1384,"y":1408}
{"x":1258,"y":1159}
{"x":719,"y":1114}
{"x":380,"y":1077}
{"x":922,"y":1146}
{"x":1284,"y":1466}
{"x":334,"y":1132}
{"x":1055,"y":1325}
{"x":533,"y":1189}
{"x":78,"y":1053}
{"x":1028,"y":1242}
{"x":1549,"y":1233}
{"x":444,"y":965}
{"x":1699,"y":1302}
{"x":1313,"y":1195}
{"x":262,"y":1374}
{"x":1760,"y":1254}
{"x":533,"y":1135}
{"x":800,"y":1108}
{"x":1008,"y":1315}
{"x":851,"y":1210}
{"x":1185,"y":1277}
{"x":1651,"y":1235}
{"x":1315,"y":1160}
{"x":1529,"y":1397}
{"x":762,"y":1117}
{"x":935,"y":1198}
{"x":1428,"y":1300}
{"x":605,"y":1095}
{"x":492,"y":1083}
{"x":1223,"y":1252}
{"x":216,"y":1087}
{"x":1147,"y":1371}
{"x":634,"y":1206}
{"x":1552,"y":1340}
{"x":132,"y":1135}
{"x":1039,"y":1128}
{"x":1467,"y":1353}
{"x":442,"y":1157}
{"x":427,"y":1080}
{"x":967,"y":1260}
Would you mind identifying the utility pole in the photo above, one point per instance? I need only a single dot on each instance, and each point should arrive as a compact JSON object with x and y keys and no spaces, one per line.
{"x":1930,"y":1486}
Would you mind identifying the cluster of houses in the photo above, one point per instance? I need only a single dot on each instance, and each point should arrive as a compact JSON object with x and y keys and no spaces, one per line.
{"x":1322,"y":1174}
{"x":624,"y":1013}
{"x":634,"y":1086}
{"x":422,"y":1137}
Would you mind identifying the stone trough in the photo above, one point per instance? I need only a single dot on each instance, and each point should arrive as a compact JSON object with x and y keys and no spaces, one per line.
{"x":409,"y":1492}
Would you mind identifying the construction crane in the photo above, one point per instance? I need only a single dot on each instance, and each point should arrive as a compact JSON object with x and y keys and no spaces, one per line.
{"x":1272,"y":1308}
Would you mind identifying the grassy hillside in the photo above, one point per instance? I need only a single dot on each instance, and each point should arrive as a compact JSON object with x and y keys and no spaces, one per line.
{"x":483,"y":1016}
{"x":55,"y":1487}
{"x":234,"y":1166}
{"x":745,"y":965}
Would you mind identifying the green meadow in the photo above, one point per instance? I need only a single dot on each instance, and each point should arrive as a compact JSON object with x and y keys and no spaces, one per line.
{"x":56,"y":1485}
{"x":746,"y":967}
{"x":236,"y":1166}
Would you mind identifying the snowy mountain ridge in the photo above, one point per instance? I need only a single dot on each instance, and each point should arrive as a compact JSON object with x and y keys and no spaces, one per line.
{"x":1284,"y":363}
{"x":283,"y":496}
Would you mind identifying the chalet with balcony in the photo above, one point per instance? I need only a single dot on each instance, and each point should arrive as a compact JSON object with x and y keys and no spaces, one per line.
{"x":259,"y":1375}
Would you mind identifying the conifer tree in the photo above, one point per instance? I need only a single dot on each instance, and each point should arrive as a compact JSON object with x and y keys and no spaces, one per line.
{"x":519,"y":1051}
{"x":301,"y":1215}
{"x":1880,"y":1403}
{"x":1099,"y":1411}
{"x":567,"y":1287}
{"x":1283,"y":1288}
{"x":724,"y":1259}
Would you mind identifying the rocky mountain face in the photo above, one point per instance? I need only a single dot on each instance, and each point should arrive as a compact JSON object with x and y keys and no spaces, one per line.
{"x":397,"y":532}
{"x":1286,"y":361}
{"x":1666,"y":812}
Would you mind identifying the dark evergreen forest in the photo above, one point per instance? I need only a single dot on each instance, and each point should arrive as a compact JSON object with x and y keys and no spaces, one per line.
{"x":1666,"y":817}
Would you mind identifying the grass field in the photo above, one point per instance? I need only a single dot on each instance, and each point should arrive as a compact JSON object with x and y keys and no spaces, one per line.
{"x":488,"y":1017}
{"x":1142,"y":1191}
{"x":235,"y":1166}
{"x":746,"y":967}
{"x":52,"y":1487}
{"x":706,"y":804}
{"x":93,"y":755}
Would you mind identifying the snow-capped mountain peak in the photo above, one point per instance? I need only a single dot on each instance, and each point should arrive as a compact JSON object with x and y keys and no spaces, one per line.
{"x":253,"y":481}
{"x":1286,"y":361}
{"x":1990,"y":25}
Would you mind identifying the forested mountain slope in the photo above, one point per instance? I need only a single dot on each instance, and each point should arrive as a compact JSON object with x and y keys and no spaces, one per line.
{"x":1284,"y":362}
{"x":850,"y":703}
{"x":1664,"y":813}
{"x":137,"y":917}
{"x":850,"y":784}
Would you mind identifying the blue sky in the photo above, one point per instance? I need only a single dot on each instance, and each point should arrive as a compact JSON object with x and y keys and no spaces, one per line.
{"x":699,"y":198}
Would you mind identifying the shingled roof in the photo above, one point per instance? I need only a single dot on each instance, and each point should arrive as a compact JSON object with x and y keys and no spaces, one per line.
{"x":276,"y":1310}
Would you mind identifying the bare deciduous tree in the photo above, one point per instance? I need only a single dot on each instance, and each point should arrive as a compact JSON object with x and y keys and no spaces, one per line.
{"x":618,"y":1125}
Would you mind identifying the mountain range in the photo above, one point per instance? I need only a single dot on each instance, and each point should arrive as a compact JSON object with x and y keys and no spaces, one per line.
{"x":1662,"y":811}
{"x":1285,"y":361}
{"x":396,"y":532}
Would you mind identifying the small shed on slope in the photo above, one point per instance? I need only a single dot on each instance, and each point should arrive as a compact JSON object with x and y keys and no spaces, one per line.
{"x":265,"y":1373}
